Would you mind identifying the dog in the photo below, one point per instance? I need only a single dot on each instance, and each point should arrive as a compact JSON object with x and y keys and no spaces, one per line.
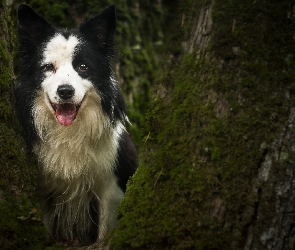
{"x":73,"y":115}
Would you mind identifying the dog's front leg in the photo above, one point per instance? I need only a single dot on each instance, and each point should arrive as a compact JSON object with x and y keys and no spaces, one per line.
{"x":109,"y":200}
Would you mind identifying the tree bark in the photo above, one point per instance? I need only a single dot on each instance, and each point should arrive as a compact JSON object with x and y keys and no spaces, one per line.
{"x":17,"y":172}
{"x":217,"y":167}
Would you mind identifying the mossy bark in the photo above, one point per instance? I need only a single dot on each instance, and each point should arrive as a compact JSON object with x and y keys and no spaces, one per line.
{"x":17,"y":172}
{"x":217,"y":167}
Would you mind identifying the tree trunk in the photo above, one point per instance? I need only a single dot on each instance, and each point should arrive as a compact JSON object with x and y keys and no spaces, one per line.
{"x":216,"y":170}
{"x":217,"y":167}
{"x":17,"y":172}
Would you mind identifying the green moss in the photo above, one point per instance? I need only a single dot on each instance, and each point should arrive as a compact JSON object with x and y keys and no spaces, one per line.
{"x":17,"y":234}
{"x":203,"y":139}
{"x":16,"y":172}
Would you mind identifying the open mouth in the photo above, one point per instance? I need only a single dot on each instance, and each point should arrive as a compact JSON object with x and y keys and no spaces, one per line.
{"x":65,"y":113}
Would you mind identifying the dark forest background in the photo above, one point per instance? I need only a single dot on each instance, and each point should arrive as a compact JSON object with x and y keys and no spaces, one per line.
{"x":210,"y":87}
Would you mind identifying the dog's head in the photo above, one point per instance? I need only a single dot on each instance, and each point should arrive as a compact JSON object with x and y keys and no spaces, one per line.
{"x":65,"y":68}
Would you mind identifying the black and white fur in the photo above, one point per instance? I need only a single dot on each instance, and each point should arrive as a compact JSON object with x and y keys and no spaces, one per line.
{"x":73,"y":114}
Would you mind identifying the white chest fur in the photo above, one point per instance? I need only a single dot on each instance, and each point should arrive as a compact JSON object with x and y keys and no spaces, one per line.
{"x":78,"y":163}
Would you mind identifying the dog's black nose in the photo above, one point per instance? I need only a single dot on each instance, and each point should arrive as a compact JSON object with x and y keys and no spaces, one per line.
{"x":65,"y":91}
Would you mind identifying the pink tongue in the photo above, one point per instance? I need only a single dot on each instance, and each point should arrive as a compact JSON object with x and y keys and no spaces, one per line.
{"x":65,"y":113}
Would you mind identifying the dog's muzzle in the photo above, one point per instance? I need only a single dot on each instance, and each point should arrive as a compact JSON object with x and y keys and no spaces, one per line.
{"x":66,"y":111}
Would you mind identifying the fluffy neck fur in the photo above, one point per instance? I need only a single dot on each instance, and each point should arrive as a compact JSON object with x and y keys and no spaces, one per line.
{"x":85,"y":148}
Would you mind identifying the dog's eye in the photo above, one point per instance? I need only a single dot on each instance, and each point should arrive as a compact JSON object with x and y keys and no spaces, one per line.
{"x":82,"y":67}
{"x":49,"y":67}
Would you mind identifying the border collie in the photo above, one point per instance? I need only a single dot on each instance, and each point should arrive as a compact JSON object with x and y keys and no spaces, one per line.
{"x":73,"y":115}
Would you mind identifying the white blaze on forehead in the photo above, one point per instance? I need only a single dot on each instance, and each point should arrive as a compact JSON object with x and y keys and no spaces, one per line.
{"x":60,"y":52}
{"x":60,"y":49}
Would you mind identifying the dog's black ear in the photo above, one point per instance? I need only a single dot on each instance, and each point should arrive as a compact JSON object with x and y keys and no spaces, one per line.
{"x":32,"y":27}
{"x":101,"y":28}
